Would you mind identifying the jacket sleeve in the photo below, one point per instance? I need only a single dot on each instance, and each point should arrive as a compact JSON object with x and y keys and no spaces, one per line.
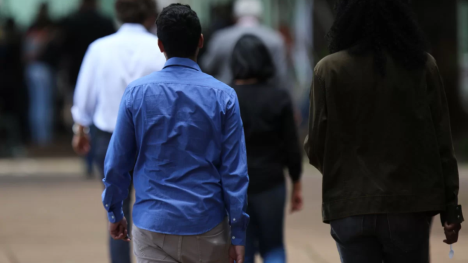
{"x":315,"y":140}
{"x":441,"y":120}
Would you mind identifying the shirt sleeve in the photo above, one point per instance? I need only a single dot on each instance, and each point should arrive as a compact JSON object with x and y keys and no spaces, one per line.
{"x":85,"y":98}
{"x":291,"y":139}
{"x":315,"y":141}
{"x":233,"y":170}
{"x":120,"y":161}
{"x":441,"y":118}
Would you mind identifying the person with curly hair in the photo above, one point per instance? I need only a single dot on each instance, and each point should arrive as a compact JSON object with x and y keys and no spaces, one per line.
{"x":185,"y":130}
{"x":379,"y":132}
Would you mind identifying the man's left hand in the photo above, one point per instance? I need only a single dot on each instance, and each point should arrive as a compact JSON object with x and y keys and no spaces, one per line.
{"x":118,"y":231}
{"x":451,"y":233}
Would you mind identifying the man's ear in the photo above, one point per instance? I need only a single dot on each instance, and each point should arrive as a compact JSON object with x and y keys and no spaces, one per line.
{"x":201,"y":41}
{"x":161,"y":46}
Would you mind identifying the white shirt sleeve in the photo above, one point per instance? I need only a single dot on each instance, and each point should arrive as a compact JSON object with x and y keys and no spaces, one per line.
{"x":85,"y":98}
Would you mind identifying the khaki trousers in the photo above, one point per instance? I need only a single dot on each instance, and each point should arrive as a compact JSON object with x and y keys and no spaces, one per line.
{"x":211,"y":247}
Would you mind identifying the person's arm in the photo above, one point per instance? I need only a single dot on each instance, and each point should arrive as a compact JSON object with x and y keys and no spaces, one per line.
{"x":233,"y":171}
{"x":315,"y":141}
{"x":120,"y":160}
{"x":441,"y":119}
{"x":84,"y":101}
{"x":292,"y":152}
{"x":85,"y":97}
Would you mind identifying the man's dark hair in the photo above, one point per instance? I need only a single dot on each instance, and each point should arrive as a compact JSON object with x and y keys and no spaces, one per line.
{"x":135,"y":11}
{"x":179,"y":30}
{"x":379,"y":26}
{"x":251,"y":59}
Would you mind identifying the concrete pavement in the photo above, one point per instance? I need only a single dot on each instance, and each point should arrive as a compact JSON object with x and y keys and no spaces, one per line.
{"x":60,"y":219}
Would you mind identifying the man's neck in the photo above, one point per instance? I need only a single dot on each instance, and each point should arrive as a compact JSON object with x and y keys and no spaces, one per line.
{"x":192,"y":58}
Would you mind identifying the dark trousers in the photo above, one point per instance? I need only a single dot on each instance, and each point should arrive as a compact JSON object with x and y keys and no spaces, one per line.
{"x":119,"y":250}
{"x":388,"y":238}
{"x":266,"y":227}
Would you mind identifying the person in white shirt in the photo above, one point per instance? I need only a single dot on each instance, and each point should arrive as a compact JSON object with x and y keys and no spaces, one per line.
{"x":110,"y":64}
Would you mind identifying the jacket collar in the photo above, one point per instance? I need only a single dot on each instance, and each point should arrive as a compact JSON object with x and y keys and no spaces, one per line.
{"x":183,"y":62}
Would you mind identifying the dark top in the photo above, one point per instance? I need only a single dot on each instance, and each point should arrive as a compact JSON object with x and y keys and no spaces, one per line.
{"x":383,"y":144}
{"x":81,"y":29}
{"x":270,"y":135}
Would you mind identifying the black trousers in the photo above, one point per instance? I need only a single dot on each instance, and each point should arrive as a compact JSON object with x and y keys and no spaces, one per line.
{"x":388,"y":238}
{"x":120,"y":251}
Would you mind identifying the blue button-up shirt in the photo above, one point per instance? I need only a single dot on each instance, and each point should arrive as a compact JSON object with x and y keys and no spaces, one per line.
{"x":181,"y":132}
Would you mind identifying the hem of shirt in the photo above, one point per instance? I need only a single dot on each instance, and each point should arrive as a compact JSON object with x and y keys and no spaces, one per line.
{"x":180,"y":233}
{"x":368,"y":205}
{"x":256,"y":189}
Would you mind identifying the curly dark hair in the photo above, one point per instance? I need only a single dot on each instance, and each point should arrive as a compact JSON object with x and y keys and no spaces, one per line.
{"x":379,"y":26}
{"x":135,"y":11}
{"x":179,"y":30}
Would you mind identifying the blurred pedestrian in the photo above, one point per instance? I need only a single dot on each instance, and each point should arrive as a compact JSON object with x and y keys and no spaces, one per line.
{"x":40,"y":77}
{"x":81,"y":29}
{"x":216,"y":60}
{"x":13,"y":96}
{"x":380,"y":134}
{"x":184,"y":129}
{"x":110,"y":64}
{"x":272,"y":144}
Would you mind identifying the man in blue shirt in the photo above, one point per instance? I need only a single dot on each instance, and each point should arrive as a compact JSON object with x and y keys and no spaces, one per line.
{"x":181,"y":133}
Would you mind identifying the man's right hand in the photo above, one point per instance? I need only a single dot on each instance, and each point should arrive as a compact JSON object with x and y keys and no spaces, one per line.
{"x":81,"y":144}
{"x":237,"y":254}
{"x":451,"y":233}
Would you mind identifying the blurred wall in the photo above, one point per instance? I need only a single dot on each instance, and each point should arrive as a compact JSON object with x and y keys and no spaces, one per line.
{"x":439,"y":21}
{"x":24,"y":11}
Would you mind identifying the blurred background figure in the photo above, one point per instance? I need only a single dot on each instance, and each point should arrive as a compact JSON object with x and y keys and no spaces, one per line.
{"x":216,"y":60}
{"x":40,"y":77}
{"x":272,"y":144}
{"x":110,"y":64}
{"x":79,"y":30}
{"x":13,"y":100}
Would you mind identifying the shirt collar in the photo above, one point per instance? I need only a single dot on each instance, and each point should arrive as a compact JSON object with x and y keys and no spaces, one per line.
{"x":183,"y":62}
{"x":248,"y":21}
{"x":129,"y":27}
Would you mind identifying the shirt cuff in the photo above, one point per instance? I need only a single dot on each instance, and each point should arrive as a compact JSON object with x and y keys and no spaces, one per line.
{"x":239,"y":229}
{"x":238,"y":235}
{"x":114,"y":215}
{"x":452,"y":215}
{"x":81,"y":118}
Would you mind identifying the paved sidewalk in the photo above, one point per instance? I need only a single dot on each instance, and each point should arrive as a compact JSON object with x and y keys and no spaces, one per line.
{"x":60,"y":219}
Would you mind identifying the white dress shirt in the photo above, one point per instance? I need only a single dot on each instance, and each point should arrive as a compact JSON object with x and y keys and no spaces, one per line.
{"x":110,"y":64}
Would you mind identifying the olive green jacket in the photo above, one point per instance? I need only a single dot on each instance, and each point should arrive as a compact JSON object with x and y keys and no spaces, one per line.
{"x":382,"y":143}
